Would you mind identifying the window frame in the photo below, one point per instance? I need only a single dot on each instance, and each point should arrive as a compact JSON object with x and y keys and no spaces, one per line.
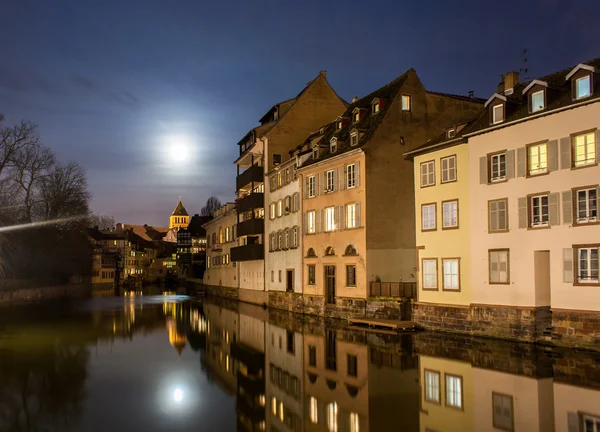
{"x":490,"y":160}
{"x":375,"y":107}
{"x":574,"y":137}
{"x":499,"y":250}
{"x":439,"y":386}
{"x":462,"y":392}
{"x":576,"y":264}
{"x":329,"y":213}
{"x":459,"y":287}
{"x":350,"y":185}
{"x":531,"y":206}
{"x":308,"y":220}
{"x":587,"y":77}
{"x":333,"y":145}
{"x":450,"y":227}
{"x":311,"y":279}
{"x":490,"y":231}
{"x":512,"y":411}
{"x":495,"y":121}
{"x":448,"y":158}
{"x":348,"y":279}
{"x":312,"y":184}
{"x":543,"y":107}
{"x":279,"y":208}
{"x":406,"y":103}
{"x":352,"y":372}
{"x":354,"y":223}
{"x":575,"y":205}
{"x":434,"y":204}
{"x":273,"y":211}
{"x":528,"y":149}
{"x":315,"y":152}
{"x":437,"y":285}
{"x":430,"y":163}
{"x":353,"y":139}
{"x":330,"y":179}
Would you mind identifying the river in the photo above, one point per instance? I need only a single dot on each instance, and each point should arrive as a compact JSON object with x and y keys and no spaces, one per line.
{"x":170,"y":363}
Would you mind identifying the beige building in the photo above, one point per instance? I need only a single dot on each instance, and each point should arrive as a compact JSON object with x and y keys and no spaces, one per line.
{"x":221,"y":273}
{"x":358,"y":197}
{"x":179,"y":218}
{"x":261,"y":150}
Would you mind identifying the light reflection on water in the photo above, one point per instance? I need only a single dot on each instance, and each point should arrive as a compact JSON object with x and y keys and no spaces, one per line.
{"x":174,"y":363}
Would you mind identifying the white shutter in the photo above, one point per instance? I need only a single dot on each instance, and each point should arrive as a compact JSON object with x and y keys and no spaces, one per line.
{"x":567,"y":207}
{"x":521,"y":162}
{"x":335,"y":179}
{"x":565,"y":153}
{"x":568,"y":265}
{"x":444,"y":169}
{"x":552,"y":155}
{"x":357,"y":173}
{"x":522,"y":213}
{"x":510,"y":164}
{"x":493,"y":215}
{"x":553,"y":209}
{"x":342,"y":172}
{"x":317,"y":185}
{"x":358,"y":215}
{"x":483,"y":177}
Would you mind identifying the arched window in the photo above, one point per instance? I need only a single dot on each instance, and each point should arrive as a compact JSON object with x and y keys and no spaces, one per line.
{"x":280,"y":240}
{"x":279,"y":208}
{"x":311,"y":253}
{"x":312,"y":378}
{"x":286,"y":238}
{"x":221,"y":235}
{"x":350,"y":250}
{"x":330,"y":251}
{"x":352,"y":390}
{"x":331,"y":384}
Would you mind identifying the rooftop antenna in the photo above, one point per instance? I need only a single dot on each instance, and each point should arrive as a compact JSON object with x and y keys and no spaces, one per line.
{"x":524,"y":68}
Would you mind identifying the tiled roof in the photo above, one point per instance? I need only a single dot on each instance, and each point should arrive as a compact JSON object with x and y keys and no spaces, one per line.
{"x":458,"y":97}
{"x":367,"y":124}
{"x":147,"y":232}
{"x":179,"y":210}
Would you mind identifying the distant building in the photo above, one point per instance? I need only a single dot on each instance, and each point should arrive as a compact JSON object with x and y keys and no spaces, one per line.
{"x":179,"y":218}
{"x":191,"y":248}
{"x":221,"y":273}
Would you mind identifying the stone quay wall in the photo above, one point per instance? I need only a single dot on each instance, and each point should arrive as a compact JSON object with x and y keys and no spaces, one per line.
{"x":24,"y":295}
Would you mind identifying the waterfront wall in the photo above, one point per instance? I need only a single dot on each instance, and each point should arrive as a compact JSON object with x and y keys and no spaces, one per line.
{"x":21,"y":295}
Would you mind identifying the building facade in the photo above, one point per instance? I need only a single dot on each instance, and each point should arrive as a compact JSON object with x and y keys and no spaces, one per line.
{"x":261,"y":150}
{"x":179,"y":218}
{"x":221,"y":275}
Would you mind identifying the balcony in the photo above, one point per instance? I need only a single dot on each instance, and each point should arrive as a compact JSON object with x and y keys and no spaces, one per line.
{"x":251,"y":227}
{"x":407,"y":290}
{"x":253,"y":174}
{"x":250,"y":252}
{"x":250,"y":202}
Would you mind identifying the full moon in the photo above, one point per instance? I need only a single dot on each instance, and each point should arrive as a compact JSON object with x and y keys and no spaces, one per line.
{"x":178,"y":152}
{"x":178,"y":395}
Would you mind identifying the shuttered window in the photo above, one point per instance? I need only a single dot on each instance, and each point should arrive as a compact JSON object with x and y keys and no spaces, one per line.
{"x":537,"y":159}
{"x":584,"y":149}
{"x":312,"y":186}
{"x":450,"y":214}
{"x":587,"y":264}
{"x":428,"y":217}
{"x":497,"y":167}
{"x":503,"y":415}
{"x":587,"y":205}
{"x":498,"y":215}
{"x":538,"y":211}
{"x":429,"y":267}
{"x":350,"y":176}
{"x":330,"y":219}
{"x":427,"y":173}
{"x":311,"y":223}
{"x":451,"y":279}
{"x":499,"y":266}
{"x":448,"y":169}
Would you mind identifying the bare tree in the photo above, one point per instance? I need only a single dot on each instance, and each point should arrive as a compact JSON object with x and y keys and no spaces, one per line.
{"x":13,"y":140}
{"x":212,"y":204}
{"x":32,"y":164}
{"x":64,"y":192}
{"x":102,"y":222}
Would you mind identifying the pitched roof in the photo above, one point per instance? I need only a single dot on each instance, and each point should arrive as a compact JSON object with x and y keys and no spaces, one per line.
{"x":179,"y":210}
{"x":367,"y":124}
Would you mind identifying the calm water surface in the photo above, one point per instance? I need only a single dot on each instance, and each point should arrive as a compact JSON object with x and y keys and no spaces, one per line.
{"x":158,"y":363}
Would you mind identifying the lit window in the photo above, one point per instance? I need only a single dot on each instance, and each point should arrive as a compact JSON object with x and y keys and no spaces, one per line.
{"x":428,"y":217}
{"x":330,"y":219}
{"x":539,"y":210}
{"x":274,"y":406}
{"x":454,"y":391}
{"x":279,"y":179}
{"x":356,"y":116}
{"x":405,"y":103}
{"x":584,"y":149}
{"x":339,"y":125}
{"x":351,"y":176}
{"x":451,"y":274}
{"x":587,"y":205}
{"x":353,"y":139}
{"x":272,"y":211}
{"x":354,"y":422}
{"x":582,"y":87}
{"x":313,"y":410}
{"x":587,"y":262}
{"x":287,"y":205}
{"x":330,"y":176}
{"x":333,"y":146}
{"x":375,"y":108}
{"x":351,"y":219}
{"x":498,"y":114}
{"x":429,"y":273}
{"x":432,"y":386}
{"x":311,"y":278}
{"x":312,"y":186}
{"x":451,"y":133}
{"x":279,"y":208}
{"x":497,"y":215}
{"x":450,"y":214}
{"x":427,"y":173}
{"x":499,"y":266}
{"x":538,"y":159}
{"x":497,"y":167}
{"x":448,"y":169}
{"x":332,"y":417}
{"x":537,"y":101}
{"x":311,"y":222}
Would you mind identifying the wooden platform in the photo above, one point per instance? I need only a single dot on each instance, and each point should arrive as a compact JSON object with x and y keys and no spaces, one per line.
{"x":385,"y":323}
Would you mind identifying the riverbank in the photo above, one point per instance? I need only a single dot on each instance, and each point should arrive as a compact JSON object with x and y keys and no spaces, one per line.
{"x":24,"y":295}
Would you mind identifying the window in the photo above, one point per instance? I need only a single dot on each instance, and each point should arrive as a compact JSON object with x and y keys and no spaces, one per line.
{"x":287,"y":176}
{"x":356,"y":116}
{"x":350,"y":251}
{"x":332,"y":417}
{"x":313,"y":410}
{"x":499,"y":266}
{"x":339,"y":125}
{"x":310,"y":253}
{"x":354,"y":422}
{"x":451,"y":279}
{"x":295,"y":202}
{"x":450,"y":214}
{"x":351,"y":176}
{"x":537,"y":101}
{"x":587,"y":264}
{"x":329,"y":251}
{"x":295,"y":237}
{"x":432,"y":386}
{"x":272,"y":276}
{"x":354,"y":139}
{"x":405,"y":103}
{"x":587,"y":205}
{"x":539,"y":211}
{"x":287,"y":205}
{"x":312,"y":355}
{"x":279,"y":208}
{"x":312,"y":274}
{"x":280,"y":244}
{"x":427,"y":173}
{"x":503,"y":412}
{"x":497,"y":167}
{"x":291,"y":342}
{"x":375,"y":107}
{"x":498,"y":215}
{"x":428,"y":217}
{"x":538,"y":159}
{"x":448,"y":169}
{"x":454,"y":391}
{"x":312,"y":186}
{"x":330,"y":219}
{"x":351,"y":275}
{"x":277,"y":160}
{"x":584,"y":149}
{"x":352,"y":365}
{"x":279,"y":179}
{"x":330,"y":176}
{"x":272,"y":211}
{"x":582,"y":87}
{"x":286,"y":241}
{"x":429,"y":267}
{"x":333,"y":145}
{"x":227,"y":235}
{"x":590,"y":423}
{"x":273,"y":183}
{"x":451,"y":133}
{"x":351,"y":216}
{"x":498,"y":114}
{"x":315,"y":152}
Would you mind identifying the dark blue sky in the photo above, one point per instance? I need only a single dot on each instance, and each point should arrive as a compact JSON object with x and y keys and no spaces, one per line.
{"x":110,"y":83}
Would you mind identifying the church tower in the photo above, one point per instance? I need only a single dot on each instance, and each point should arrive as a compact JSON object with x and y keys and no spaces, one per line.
{"x":179,"y":217}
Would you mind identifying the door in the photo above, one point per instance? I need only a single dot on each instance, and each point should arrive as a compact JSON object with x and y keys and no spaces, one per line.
{"x":330,"y":284}
{"x":289,"y":280}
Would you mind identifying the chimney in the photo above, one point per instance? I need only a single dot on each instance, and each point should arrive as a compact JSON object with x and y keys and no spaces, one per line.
{"x":355,"y":99}
{"x":472,"y":94}
{"x":509,"y":82}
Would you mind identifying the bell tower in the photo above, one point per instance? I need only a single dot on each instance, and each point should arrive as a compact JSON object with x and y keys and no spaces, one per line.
{"x":179,"y":218}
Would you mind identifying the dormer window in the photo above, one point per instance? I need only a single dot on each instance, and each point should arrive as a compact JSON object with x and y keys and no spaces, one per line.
{"x":333,"y":145}
{"x":356,"y":116}
{"x":583,"y":87}
{"x":375,"y":105}
{"x":315,"y":152}
{"x":354,"y":138}
{"x":538,"y":101}
{"x":405,"y":103}
{"x":339,"y":125}
{"x":497,"y":113}
{"x":451,"y":133}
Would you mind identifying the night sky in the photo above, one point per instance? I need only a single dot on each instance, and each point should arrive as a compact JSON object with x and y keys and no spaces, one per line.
{"x":112,"y":84}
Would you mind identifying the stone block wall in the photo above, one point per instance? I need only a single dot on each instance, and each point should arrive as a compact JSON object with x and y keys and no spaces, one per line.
{"x":578,"y":328}
{"x":442,"y":317}
{"x":389,"y":309}
{"x":44,"y":293}
{"x":509,"y":322}
{"x":225,"y":292}
{"x":253,"y":296}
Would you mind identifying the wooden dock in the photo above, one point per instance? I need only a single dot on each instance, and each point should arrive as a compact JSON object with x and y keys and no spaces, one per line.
{"x":395,"y":325}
